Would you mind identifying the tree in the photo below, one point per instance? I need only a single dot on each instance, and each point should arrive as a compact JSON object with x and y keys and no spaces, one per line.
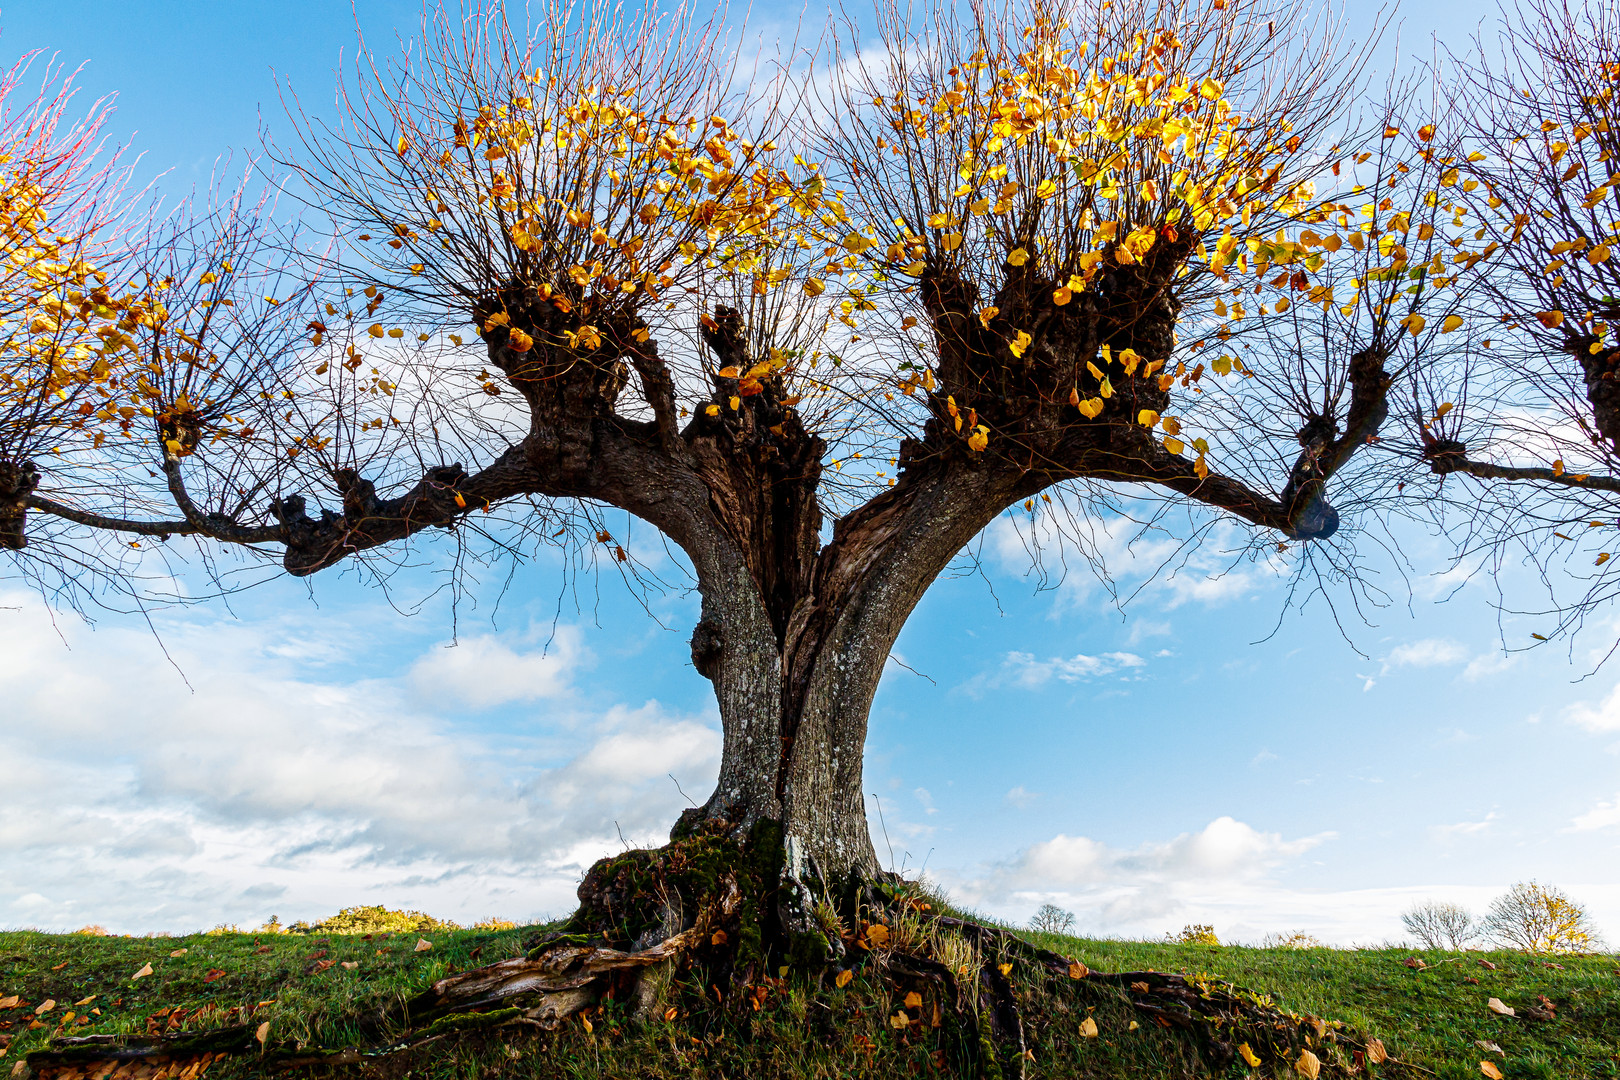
{"x":819,"y":331}
{"x":1540,"y":919}
{"x":1051,"y":919}
{"x":1440,"y":925}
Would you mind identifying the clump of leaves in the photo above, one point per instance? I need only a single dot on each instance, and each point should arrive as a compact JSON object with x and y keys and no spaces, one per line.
{"x":376,"y":919}
{"x":1194,"y":934}
{"x":1294,"y":939}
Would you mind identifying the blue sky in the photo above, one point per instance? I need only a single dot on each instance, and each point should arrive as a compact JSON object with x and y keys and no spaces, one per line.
{"x":1178,"y":762}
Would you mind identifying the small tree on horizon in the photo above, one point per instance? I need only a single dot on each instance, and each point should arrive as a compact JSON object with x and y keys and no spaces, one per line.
{"x":1537,"y":918}
{"x":1438,"y":925}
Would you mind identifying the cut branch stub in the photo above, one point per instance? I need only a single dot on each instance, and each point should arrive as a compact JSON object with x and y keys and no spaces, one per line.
{"x":18,"y":479}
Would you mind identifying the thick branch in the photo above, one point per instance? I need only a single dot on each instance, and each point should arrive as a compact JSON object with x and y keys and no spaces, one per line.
{"x":1456,"y":463}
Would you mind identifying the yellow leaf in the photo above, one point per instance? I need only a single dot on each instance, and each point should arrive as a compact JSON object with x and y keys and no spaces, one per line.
{"x":1451,"y":323}
{"x":1209,"y":89}
{"x":842,"y":979}
{"x":1045,"y":189}
{"x":263,"y":1033}
{"x":1171,"y":425}
{"x":977,"y":442}
{"x":461,"y":501}
{"x":951,"y":241}
{"x":1018,"y":256}
{"x":9,"y":1002}
{"x":422,"y":945}
{"x":712,"y":410}
{"x":1088,"y":1028}
{"x":1017,"y":346}
{"x":814,"y":287}
{"x":455,"y":339}
{"x":1006,"y":969}
{"x":1496,"y":1005}
{"x":1552,"y":320}
{"x":857,"y":243}
{"x":1490,"y":1070}
{"x":1598,"y":254}
{"x":1091,"y":408}
{"x":146,"y":969}
{"x":518,"y":341}
{"x":1174,"y":445}
{"x":1106,"y":389}
{"x":736,"y":402}
{"x":899,"y":1020}
{"x":1134,"y":1026}
{"x":1147,"y":418}
{"x":375,"y":330}
{"x":913,"y":1000}
{"x":1445,"y":407}
{"x":915,"y":269}
{"x":1309,"y":1065}
{"x":1601,"y":559}
{"x":1062,"y":295}
{"x":1375,"y":1051}
{"x":1077,"y":970}
{"x":1413,"y":323}
{"x":1248,"y":1055}
{"x":671,"y":1013}
{"x":585,"y":1022}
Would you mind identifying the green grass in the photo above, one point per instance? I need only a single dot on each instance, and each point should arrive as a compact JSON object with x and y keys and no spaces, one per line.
{"x":806,"y":1029}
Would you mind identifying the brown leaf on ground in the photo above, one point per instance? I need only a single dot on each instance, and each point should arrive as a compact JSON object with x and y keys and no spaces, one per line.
{"x":1414,"y":963}
{"x":1375,"y":1051}
{"x":1487,"y":964}
{"x":1496,"y":1006}
{"x":1490,"y":1070}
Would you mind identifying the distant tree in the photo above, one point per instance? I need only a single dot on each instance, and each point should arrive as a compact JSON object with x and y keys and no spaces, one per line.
{"x":1440,"y":925}
{"x":1540,"y":919}
{"x":1194,"y":934}
{"x":1293,"y":939}
{"x":1051,"y":919}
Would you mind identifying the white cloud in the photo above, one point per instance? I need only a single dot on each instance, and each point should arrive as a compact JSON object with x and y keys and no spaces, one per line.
{"x":1605,"y":815}
{"x":1021,"y":798}
{"x":483,"y":672}
{"x":133,"y":802}
{"x":1021,"y":670}
{"x":1139,"y":890}
{"x":1462,"y":828}
{"x":1601,"y":718}
{"x":1430,"y":652}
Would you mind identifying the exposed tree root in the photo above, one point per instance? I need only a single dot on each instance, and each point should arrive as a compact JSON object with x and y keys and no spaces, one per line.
{"x":708,"y":926}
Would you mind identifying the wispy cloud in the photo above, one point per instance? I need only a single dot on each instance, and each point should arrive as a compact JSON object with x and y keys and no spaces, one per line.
{"x":1605,"y":815}
{"x":1021,"y":670}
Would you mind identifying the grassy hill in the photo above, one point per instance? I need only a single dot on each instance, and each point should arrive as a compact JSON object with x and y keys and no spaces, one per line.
{"x":322,"y":993}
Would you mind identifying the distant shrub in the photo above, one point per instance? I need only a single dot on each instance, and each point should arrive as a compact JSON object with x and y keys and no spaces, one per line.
{"x":1295,"y":939}
{"x":272,"y":927}
{"x":494,"y":923}
{"x":1051,"y":919}
{"x":1194,"y":934}
{"x":92,"y":931}
{"x":1540,"y":919}
{"x":1440,"y":926}
{"x":223,"y":928}
{"x":375,"y":919}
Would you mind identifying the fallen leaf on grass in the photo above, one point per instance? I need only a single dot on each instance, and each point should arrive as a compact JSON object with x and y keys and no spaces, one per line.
{"x":350,"y":965}
{"x":1496,"y":1006}
{"x":1088,"y":1028}
{"x":1134,"y":1026}
{"x":1077,"y":970}
{"x":1490,"y":1070}
{"x":146,"y":969}
{"x":60,"y":966}
{"x":843,"y":978}
{"x":261,"y":949}
{"x":263,"y":1033}
{"x":1470,"y":980}
{"x":899,"y":1020}
{"x":1483,"y":1045}
{"x":1248,"y":1055}
{"x":9,"y":1002}
{"x":914,"y":1000}
{"x":423,"y":945}
{"x":322,"y":965}
{"x":45,"y":1006}
{"x":1141,"y":987}
{"x":1375,"y":1051}
{"x":213,"y":973}
{"x":1555,"y":967}
{"x":179,"y":952}
{"x":1309,"y":1065}
{"x":1487,"y":964}
{"x":1414,"y":963}
{"x":86,"y":1001}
